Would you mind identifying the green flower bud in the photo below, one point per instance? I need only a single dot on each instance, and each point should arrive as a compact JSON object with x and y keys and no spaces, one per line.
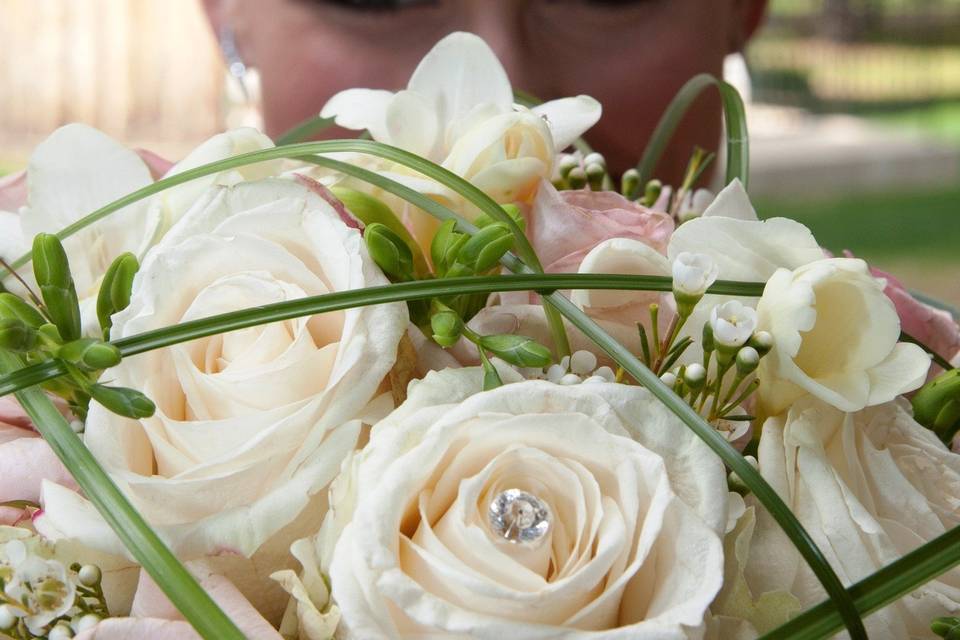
{"x":566,"y":164}
{"x":50,"y":333}
{"x":595,"y":158}
{"x":595,"y":173}
{"x":577,"y":178}
{"x":16,"y":335}
{"x":129,"y":403}
{"x":946,"y":627}
{"x":13,"y":307}
{"x":447,"y":327}
{"x":651,"y":192}
{"x":114,"y":295}
{"x":747,"y":360}
{"x":485,"y":248}
{"x":90,"y":353}
{"x":707,"y":340}
{"x":446,"y":246}
{"x":937,"y":405}
{"x":517,"y":350}
{"x":630,"y":184}
{"x":389,"y":251}
{"x":52,"y":270}
{"x":762,"y":341}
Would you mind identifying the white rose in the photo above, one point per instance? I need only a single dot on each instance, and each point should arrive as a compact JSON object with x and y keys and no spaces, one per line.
{"x":869,"y":487}
{"x":636,"y":502}
{"x":78,"y":169}
{"x":250,"y":425}
{"x":835,"y":336}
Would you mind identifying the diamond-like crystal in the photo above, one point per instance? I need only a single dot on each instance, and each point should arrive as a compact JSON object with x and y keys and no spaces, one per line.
{"x":519,"y":517}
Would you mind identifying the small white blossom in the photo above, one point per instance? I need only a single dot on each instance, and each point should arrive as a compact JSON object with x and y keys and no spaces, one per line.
{"x":693,"y":273}
{"x":732,"y":323}
{"x":43,"y":586}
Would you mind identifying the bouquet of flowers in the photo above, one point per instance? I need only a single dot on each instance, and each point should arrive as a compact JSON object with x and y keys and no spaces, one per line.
{"x":450,"y":380}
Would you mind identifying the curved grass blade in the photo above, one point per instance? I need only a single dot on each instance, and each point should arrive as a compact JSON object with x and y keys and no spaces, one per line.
{"x":735,"y":123}
{"x":179,"y":586}
{"x":421,"y":289}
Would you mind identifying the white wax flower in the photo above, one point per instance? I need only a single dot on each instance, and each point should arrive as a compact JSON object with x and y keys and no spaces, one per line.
{"x":458,"y":110}
{"x":733,"y":323}
{"x":636,"y":500}
{"x":869,"y":487}
{"x":835,"y":336}
{"x":693,"y":273}
{"x":41,"y":585}
{"x":250,"y":425}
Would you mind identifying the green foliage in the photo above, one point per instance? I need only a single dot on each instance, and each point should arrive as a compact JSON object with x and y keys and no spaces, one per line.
{"x":114,"y":295}
{"x":52,"y":271}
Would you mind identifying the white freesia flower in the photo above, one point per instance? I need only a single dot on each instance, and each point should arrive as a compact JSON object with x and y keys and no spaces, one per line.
{"x":695,"y":204}
{"x":636,"y":500}
{"x":40,"y":585}
{"x":869,"y":487}
{"x":458,"y":110}
{"x":732,"y":323}
{"x":250,"y":425}
{"x":79,"y":169}
{"x":835,"y":336}
{"x":693,"y":273}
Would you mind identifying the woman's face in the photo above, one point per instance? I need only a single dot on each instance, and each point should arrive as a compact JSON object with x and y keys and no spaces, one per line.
{"x":631,"y":55}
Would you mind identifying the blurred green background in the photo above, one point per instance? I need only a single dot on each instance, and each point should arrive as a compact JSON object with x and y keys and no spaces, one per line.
{"x":879,"y":82}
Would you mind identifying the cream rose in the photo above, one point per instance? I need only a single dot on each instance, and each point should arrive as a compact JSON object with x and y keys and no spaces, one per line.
{"x":869,"y":487}
{"x":835,"y":336}
{"x":250,"y":425}
{"x":621,"y":537}
{"x":79,"y":169}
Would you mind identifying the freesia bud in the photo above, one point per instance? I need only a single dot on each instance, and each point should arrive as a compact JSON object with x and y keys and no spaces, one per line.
{"x":937,"y":405}
{"x":693,"y":273}
{"x":389,"y":251}
{"x":447,"y":327}
{"x":695,"y":376}
{"x":577,"y":178}
{"x":13,"y":307}
{"x":747,"y":360}
{"x":651,"y":192}
{"x":115,"y":289}
{"x":566,"y":164}
{"x":90,"y":353}
{"x":128,"y":403}
{"x":485,"y":248}
{"x":15,"y":335}
{"x":52,"y":271}
{"x":630,"y":184}
{"x":595,"y":158}
{"x":762,"y":341}
{"x":946,"y":627}
{"x":732,"y":324}
{"x":446,"y":246}
{"x":517,"y":350}
{"x":512,"y":210}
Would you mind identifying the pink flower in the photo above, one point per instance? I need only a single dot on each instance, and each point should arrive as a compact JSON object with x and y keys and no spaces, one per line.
{"x":153,"y":616}
{"x":25,"y":461}
{"x":565,"y":225}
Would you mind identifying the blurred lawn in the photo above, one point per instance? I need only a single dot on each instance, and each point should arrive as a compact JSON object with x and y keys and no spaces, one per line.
{"x":915,"y":236}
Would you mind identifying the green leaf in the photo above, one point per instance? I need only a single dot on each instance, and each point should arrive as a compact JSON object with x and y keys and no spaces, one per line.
{"x":517,"y":350}
{"x":735,"y":121}
{"x":417,"y":290}
{"x":146,"y":547}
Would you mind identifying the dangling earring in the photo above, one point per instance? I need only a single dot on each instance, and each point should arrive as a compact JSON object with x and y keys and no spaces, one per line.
{"x":242,"y":95}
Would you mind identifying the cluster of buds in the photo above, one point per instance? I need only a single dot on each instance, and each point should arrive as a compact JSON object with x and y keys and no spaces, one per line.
{"x":51,"y":328}
{"x":580,"y":367}
{"x":42,"y":598}
{"x":578,"y":171}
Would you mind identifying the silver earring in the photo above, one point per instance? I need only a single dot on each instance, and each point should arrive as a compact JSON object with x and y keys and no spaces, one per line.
{"x":242,"y":94}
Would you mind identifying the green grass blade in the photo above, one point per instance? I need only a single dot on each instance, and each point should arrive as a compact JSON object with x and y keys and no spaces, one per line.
{"x":422,"y":289}
{"x":304,"y":130}
{"x":184,"y":592}
{"x":735,"y":123}
{"x":895,"y":580}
